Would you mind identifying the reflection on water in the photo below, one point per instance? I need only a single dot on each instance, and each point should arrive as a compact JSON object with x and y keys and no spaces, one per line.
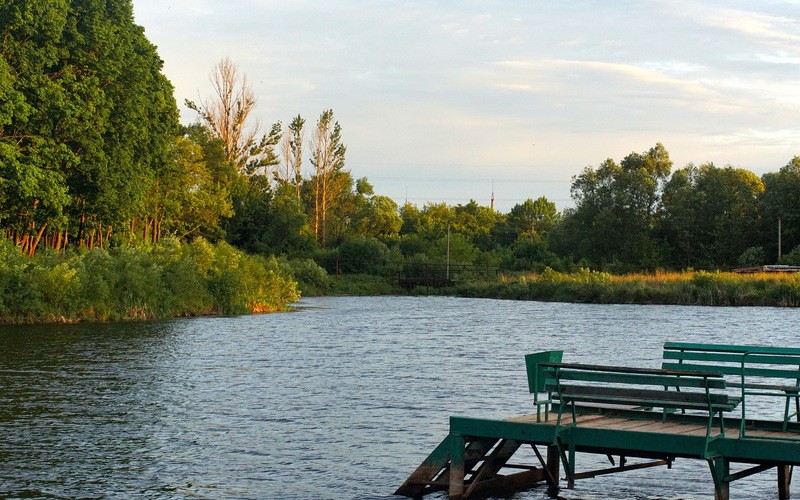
{"x":341,"y":399}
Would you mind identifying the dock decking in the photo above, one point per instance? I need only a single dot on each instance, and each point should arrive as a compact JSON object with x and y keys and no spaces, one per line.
{"x":475,"y":459}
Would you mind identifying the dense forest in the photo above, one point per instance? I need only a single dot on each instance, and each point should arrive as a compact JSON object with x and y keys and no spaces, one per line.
{"x":93,"y":158}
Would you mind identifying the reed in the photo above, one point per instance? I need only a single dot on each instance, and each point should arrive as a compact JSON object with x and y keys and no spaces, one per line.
{"x":684,"y":288}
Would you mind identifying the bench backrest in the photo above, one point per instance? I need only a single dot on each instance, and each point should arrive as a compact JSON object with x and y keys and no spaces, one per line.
{"x":740,"y":360}
{"x":536,"y":379}
{"x":635,"y":386}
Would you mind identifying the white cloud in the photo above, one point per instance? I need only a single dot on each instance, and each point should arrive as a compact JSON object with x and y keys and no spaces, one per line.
{"x":474,"y":84}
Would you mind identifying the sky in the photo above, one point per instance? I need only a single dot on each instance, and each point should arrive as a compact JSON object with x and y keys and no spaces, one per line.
{"x":451,"y":101}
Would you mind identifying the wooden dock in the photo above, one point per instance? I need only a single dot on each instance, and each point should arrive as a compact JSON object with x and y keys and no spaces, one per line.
{"x":477,"y":458}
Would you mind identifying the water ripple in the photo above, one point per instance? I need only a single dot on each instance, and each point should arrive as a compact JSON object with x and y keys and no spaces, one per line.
{"x":341,"y":399}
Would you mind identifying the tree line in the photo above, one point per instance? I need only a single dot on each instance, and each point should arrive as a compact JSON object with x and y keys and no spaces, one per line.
{"x":92,"y":154}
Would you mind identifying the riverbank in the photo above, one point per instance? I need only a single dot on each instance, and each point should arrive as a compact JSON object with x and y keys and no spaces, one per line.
{"x":682,"y":288}
{"x":701,"y":288}
{"x":171,"y":279}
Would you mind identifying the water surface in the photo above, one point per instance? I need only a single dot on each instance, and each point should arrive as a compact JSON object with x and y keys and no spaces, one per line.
{"x":341,"y":399}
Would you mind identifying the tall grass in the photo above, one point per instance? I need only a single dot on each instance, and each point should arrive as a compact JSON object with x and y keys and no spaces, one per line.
{"x":167,"y":280}
{"x":685,"y":288}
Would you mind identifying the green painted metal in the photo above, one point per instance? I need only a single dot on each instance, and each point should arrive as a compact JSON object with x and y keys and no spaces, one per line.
{"x":757,"y":371}
{"x":720,"y":470}
{"x":468,"y":462}
{"x":628,"y":391}
{"x":457,"y":466}
{"x":537,"y":380}
{"x":688,"y":346}
{"x":662,"y":378}
{"x":421,"y":478}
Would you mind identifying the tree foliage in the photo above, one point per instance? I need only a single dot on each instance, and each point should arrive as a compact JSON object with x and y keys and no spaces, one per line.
{"x":88,"y":120}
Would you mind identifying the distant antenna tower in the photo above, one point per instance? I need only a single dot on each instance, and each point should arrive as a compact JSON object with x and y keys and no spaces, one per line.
{"x":492,"y":202}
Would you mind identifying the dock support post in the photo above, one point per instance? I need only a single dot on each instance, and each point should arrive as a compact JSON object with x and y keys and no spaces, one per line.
{"x":720,"y":470}
{"x":784,"y":481}
{"x":553,"y":469}
{"x":457,"y":444}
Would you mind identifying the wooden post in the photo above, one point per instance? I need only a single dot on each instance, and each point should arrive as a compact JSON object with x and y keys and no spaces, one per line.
{"x":720,"y":470}
{"x":784,"y":481}
{"x":457,"y":444}
{"x":553,"y":468}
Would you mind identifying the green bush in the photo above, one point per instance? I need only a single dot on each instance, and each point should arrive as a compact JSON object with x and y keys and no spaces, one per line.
{"x":170,"y":279}
{"x":792,"y":258}
{"x":363,"y":256}
{"x":311,"y":278}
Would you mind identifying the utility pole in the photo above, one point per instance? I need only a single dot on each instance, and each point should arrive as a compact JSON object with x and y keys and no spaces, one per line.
{"x":447,"y":266}
{"x":780,"y":254}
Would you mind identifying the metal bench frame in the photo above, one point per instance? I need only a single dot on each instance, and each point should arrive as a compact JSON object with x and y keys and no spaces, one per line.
{"x":743,"y":364}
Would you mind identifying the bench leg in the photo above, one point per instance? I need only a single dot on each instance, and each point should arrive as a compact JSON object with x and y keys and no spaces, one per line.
{"x":568,"y":457}
{"x":720,"y":470}
{"x":457,"y":467}
{"x":784,"y":481}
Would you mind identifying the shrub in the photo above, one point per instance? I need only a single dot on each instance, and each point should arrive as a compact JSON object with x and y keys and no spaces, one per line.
{"x":311,"y":278}
{"x":170,"y":279}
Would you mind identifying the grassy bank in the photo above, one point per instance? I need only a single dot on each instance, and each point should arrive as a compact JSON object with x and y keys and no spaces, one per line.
{"x":168,"y":280}
{"x":684,"y":288}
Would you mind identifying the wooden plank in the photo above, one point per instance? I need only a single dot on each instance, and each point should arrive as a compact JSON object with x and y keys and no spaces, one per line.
{"x":632,"y":425}
{"x":493,"y":463}
{"x":625,"y":369}
{"x":624,"y":468}
{"x":749,"y":371}
{"x":601,"y":393}
{"x":730,"y":348}
{"x":737,"y":358}
{"x":646,"y":402}
{"x":664,"y":379}
{"x":427,"y":471}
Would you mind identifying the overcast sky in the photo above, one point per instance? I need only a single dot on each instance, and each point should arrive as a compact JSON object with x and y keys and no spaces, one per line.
{"x":445,"y":100}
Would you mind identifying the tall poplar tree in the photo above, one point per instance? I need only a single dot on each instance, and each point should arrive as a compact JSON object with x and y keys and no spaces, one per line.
{"x":228,"y":114}
{"x":330,"y":179}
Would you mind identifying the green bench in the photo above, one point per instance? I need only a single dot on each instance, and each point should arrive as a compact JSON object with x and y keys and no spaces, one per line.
{"x":571,"y":385}
{"x":753,"y":370}
{"x":638,"y":390}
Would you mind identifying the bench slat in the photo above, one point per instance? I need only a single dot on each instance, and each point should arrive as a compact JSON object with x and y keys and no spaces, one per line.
{"x":641,"y":396}
{"x":730,"y":348}
{"x":749,"y":371}
{"x":628,"y":369}
{"x":766,"y":359}
{"x":631,"y":378}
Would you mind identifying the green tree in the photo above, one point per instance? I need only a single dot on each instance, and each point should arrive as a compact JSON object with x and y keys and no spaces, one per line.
{"x":711,"y":215}
{"x":292,"y":148}
{"x":476,"y":223}
{"x":380,"y":217}
{"x":533,"y":217}
{"x":330,"y":180}
{"x":615,"y":210}
{"x":780,"y":202}
{"x":190,"y":202}
{"x":269,"y":221}
{"x":87,"y":119}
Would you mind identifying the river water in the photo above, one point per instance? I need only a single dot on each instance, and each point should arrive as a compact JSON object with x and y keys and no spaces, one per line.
{"x":342,"y":398}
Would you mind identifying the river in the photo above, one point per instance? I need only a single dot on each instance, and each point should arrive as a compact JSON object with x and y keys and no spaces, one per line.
{"x":342,"y":398}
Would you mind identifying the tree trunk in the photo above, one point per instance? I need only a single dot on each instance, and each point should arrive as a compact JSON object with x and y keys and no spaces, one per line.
{"x":35,"y":242}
